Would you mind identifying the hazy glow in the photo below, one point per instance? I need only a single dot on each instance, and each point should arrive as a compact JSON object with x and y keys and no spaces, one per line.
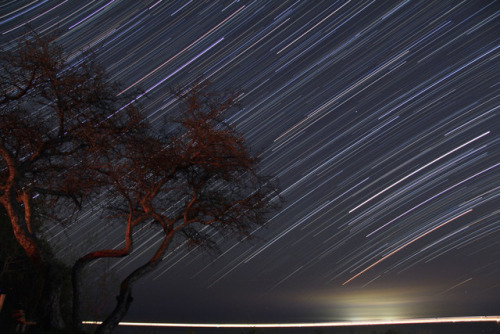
{"x":314,"y":324}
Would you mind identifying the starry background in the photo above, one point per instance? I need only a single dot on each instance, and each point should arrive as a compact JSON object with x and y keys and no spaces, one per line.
{"x":379,"y":118}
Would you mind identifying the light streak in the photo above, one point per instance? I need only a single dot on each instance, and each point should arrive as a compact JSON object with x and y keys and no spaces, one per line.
{"x":180,"y":52}
{"x":21,"y":8}
{"x":170,"y":75}
{"x":347,"y":90}
{"x":431,"y":198}
{"x":153,"y":5}
{"x":317,"y":24}
{"x":405,"y":245}
{"x":246,"y":49}
{"x":457,"y":285}
{"x":33,"y":19}
{"x":395,"y":9}
{"x":181,"y":8}
{"x":418,"y":170}
{"x":491,"y":318}
{"x":92,"y":14}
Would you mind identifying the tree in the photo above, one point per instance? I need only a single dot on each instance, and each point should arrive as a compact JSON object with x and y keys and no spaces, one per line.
{"x":55,"y":119}
{"x":65,"y":140}
{"x":192,"y":182}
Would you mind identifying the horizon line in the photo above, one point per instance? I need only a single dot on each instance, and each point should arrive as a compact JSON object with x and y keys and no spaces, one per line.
{"x":492,"y":318}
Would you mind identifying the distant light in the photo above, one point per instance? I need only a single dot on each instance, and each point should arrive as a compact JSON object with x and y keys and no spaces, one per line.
{"x":313,"y":324}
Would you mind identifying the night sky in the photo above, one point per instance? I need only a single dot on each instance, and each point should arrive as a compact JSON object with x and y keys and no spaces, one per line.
{"x":380,"y":119}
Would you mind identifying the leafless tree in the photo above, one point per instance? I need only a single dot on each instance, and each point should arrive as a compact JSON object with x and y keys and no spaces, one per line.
{"x":192,"y":182}
{"x":55,"y":120}
{"x":64,"y":140}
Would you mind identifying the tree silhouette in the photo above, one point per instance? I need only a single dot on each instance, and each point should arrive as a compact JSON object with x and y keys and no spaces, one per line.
{"x":193,"y":182}
{"x":65,"y":139}
{"x":55,"y":119}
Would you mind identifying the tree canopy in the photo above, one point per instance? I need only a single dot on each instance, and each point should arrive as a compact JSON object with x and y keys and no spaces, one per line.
{"x":67,"y":137}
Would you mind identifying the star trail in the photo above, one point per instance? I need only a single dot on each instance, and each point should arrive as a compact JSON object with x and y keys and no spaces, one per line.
{"x":380,"y":119}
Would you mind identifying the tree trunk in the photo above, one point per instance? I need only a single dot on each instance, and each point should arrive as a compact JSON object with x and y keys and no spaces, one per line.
{"x":76,"y":272}
{"x":77,"y":293}
{"x":49,"y":310}
{"x":124,"y":299}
